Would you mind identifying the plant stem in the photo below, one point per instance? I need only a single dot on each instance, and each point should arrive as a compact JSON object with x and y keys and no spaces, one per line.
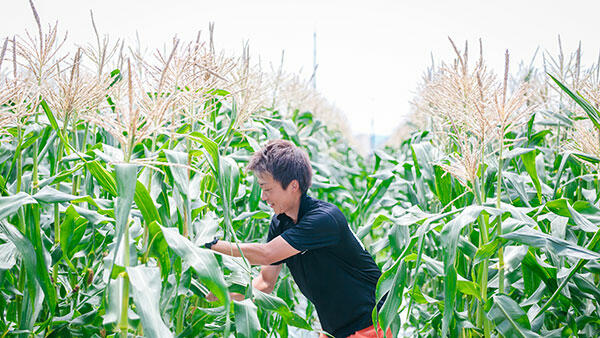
{"x":124,"y":323}
{"x":499,"y":226}
{"x":34,"y":173}
{"x":75,"y":182}
{"x":186,"y":211}
{"x":19,"y":158}
{"x":56,"y":209}
{"x":483,"y":270}
{"x":179,"y":324}
{"x":146,"y":234}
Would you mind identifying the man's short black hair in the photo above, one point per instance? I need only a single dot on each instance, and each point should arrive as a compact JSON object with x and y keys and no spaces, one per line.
{"x":285,"y":162}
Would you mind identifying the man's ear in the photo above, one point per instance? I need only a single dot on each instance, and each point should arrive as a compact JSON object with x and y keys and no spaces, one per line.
{"x":295,"y":184}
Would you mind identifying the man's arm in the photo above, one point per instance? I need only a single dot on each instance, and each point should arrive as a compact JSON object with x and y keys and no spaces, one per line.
{"x":258,"y":253}
{"x":266,"y":279}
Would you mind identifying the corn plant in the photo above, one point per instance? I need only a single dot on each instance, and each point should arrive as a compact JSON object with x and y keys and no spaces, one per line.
{"x":113,"y":177}
{"x":493,"y":237}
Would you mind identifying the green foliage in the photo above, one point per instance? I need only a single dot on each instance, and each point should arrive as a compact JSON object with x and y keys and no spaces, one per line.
{"x":107,"y":240}
{"x":124,"y":238}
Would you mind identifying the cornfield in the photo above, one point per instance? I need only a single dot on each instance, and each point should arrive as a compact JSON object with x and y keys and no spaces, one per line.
{"x":117,"y":166}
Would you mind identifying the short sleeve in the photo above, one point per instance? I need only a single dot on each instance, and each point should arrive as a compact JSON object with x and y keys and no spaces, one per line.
{"x":314,"y":231}
{"x":273,"y":230}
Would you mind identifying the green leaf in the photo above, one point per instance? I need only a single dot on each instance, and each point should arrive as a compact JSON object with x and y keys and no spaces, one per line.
{"x":487,"y":250}
{"x":211,"y":150}
{"x":8,"y":254}
{"x":126,"y":178}
{"x":276,"y":304}
{"x":254,"y":195}
{"x":146,"y":289}
{"x":257,"y":214}
{"x":229,"y":178}
{"x":228,"y":181}
{"x":93,"y":216}
{"x":469,"y":288}
{"x":587,"y":157}
{"x":51,"y":195}
{"x":509,"y":318}
{"x":53,"y":122}
{"x":202,"y":260}
{"x":33,"y":233}
{"x":452,"y":229}
{"x":538,"y":239}
{"x":246,"y":319}
{"x":443,"y":185}
{"x":529,"y":163}
{"x":158,"y":247}
{"x":592,"y":113}
{"x":179,"y":172}
{"x":582,"y":222}
{"x":388,"y":315}
{"x":144,"y":202}
{"x":72,"y":230}
{"x":450,"y":286}
{"x":540,"y":270}
{"x":104,"y":178}
{"x":374,"y":196}
{"x":10,"y":204}
{"x":28,"y":256}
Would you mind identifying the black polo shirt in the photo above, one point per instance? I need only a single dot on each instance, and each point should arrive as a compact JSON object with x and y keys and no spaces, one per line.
{"x":332,"y":270}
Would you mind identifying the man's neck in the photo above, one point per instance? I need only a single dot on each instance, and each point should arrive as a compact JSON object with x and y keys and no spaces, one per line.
{"x":294,"y":210}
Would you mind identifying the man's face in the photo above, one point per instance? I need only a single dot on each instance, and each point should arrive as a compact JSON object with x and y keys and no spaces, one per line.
{"x":279,"y":199}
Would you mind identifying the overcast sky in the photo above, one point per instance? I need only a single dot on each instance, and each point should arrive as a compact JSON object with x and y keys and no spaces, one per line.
{"x":371,"y":54}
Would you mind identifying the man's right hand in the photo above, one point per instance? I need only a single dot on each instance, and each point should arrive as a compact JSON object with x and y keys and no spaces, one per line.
{"x":265,"y":282}
{"x":234,"y":295}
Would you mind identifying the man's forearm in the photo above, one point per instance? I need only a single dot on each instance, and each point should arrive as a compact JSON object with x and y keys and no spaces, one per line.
{"x":259,"y":284}
{"x":255,"y":253}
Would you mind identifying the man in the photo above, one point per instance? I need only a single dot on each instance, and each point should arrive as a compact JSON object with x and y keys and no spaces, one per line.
{"x":326,"y":260}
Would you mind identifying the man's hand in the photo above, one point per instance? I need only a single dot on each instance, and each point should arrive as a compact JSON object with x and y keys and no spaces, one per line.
{"x":264,"y":282}
{"x":234,"y":295}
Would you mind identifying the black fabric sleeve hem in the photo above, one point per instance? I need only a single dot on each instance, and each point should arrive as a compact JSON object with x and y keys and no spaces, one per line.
{"x":290,"y":241}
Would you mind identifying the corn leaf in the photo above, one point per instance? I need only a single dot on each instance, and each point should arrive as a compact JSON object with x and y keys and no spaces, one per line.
{"x":276,"y":304}
{"x":509,"y":318}
{"x":589,"y":109}
{"x":246,"y":319}
{"x":146,"y":290}
{"x":202,"y":260}
{"x":561,"y":247}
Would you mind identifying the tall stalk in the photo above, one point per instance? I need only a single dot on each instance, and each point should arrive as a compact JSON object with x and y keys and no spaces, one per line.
{"x":499,"y":226}
{"x":59,"y":157}
{"x":146,"y":233}
{"x":21,"y":224}
{"x":482,"y":320}
{"x":124,"y":321}
{"x":34,"y":173}
{"x":186,"y":204}
{"x":499,"y":182}
{"x":19,"y":158}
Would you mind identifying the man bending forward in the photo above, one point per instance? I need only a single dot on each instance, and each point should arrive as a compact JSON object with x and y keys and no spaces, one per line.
{"x":327,"y":261}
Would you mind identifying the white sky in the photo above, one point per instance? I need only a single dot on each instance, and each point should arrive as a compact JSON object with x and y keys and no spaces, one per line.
{"x":371,"y":54}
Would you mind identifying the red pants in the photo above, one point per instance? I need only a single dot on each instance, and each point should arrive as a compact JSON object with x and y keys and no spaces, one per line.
{"x":367,"y":333}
